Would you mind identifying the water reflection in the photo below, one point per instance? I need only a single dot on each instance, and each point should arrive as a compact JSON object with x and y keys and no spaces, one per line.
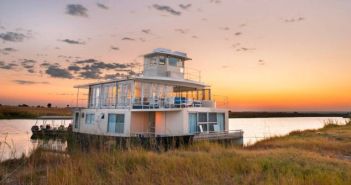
{"x":16,"y":136}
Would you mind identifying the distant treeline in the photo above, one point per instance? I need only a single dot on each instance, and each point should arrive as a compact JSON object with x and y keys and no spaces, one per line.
{"x":26,"y":112}
{"x":287,"y":114}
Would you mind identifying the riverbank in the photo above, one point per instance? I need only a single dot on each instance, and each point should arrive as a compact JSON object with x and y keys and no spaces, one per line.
{"x":310,"y":157}
{"x":14,"y":112}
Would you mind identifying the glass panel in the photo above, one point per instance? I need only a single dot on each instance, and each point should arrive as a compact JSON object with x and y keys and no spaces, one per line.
{"x":220,"y":121}
{"x":212,"y":127}
{"x":76,"y":120}
{"x":172,"y":61}
{"x":111,"y":126}
{"x":162,"y":61}
{"x":212,"y":117}
{"x":137,"y":93}
{"x":202,"y":128}
{"x":192,"y":123}
{"x":202,"y":117}
{"x":90,"y":119}
{"x":119,"y":123}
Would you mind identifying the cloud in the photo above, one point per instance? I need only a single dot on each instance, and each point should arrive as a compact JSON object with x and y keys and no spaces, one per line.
{"x":128,"y":39}
{"x":73,"y":68}
{"x":26,"y":82}
{"x":238,"y":33}
{"x":10,"y":66}
{"x":91,"y":74}
{"x":194,"y":37}
{"x":146,"y":31}
{"x":57,"y":72}
{"x":182,"y":31}
{"x":245,"y":49}
{"x":261,"y":62}
{"x":215,"y":1}
{"x":86,"y":69}
{"x":184,"y":6}
{"x":114,"y":48}
{"x":76,"y":10}
{"x":165,"y":8}
{"x":28,"y":65}
{"x":225,"y":28}
{"x":94,"y":69}
{"x":292,"y":20}
{"x":7,"y":51}
{"x":69,"y":41}
{"x":12,"y":36}
{"x":100,"y":5}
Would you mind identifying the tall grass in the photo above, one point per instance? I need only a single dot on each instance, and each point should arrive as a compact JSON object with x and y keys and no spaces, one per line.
{"x":309,"y":157}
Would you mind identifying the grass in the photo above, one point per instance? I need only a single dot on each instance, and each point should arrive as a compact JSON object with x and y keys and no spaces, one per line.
{"x":309,"y":157}
{"x":13,"y":112}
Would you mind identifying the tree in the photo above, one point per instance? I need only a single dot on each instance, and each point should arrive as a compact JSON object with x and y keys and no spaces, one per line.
{"x":49,"y":105}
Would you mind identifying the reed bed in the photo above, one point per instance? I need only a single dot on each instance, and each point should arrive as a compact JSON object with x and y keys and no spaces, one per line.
{"x":13,"y":112}
{"x":308,"y":157}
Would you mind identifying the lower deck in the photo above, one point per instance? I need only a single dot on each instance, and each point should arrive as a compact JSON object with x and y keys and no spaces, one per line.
{"x":151,"y":123}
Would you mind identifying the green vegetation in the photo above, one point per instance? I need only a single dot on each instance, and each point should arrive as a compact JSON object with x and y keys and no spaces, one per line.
{"x":310,"y":157}
{"x":23,"y":112}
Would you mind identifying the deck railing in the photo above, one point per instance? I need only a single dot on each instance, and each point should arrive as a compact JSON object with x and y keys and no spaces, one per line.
{"x":228,"y":134}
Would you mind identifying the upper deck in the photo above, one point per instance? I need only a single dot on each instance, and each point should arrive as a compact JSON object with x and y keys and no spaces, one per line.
{"x":164,"y":84}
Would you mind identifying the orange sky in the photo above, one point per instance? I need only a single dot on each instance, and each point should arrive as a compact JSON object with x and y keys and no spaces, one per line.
{"x":264,"y":55}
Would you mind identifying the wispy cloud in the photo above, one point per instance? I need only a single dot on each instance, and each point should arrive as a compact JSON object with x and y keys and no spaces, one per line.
{"x":261,"y":62}
{"x":12,"y":36}
{"x":182,"y":31}
{"x":27,"y":82}
{"x":70,"y":41}
{"x":76,"y":10}
{"x":165,"y":8}
{"x":58,"y":72}
{"x":28,"y":64}
{"x":100,"y":5}
{"x":7,"y":66}
{"x":185,"y":6}
{"x":128,"y":39}
{"x":225,"y":28}
{"x":146,"y":31}
{"x":114,"y":48}
{"x":6,"y":51}
{"x":292,"y":20}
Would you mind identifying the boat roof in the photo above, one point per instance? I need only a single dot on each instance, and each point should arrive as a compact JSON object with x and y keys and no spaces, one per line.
{"x":163,"y":80}
{"x":167,"y":52}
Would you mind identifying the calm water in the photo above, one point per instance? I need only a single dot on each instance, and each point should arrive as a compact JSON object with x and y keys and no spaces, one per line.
{"x":17,"y":133}
{"x":256,"y":129}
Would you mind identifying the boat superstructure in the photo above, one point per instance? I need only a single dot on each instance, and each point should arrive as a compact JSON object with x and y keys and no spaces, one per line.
{"x":163,"y":101}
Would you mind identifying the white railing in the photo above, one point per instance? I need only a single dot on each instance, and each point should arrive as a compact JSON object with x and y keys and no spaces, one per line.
{"x":218,"y":135}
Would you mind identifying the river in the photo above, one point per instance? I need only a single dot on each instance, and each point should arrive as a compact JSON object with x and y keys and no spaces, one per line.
{"x":15,"y":134}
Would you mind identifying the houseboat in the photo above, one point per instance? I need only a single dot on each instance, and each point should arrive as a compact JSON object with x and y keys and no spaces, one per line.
{"x":162,"y":101}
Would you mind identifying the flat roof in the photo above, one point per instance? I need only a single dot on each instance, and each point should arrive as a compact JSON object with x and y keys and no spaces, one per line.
{"x":163,"y":80}
{"x":167,"y":52}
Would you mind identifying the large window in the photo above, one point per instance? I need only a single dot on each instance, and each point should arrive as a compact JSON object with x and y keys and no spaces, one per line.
{"x":206,"y":122}
{"x":115,"y":123}
{"x":90,"y":118}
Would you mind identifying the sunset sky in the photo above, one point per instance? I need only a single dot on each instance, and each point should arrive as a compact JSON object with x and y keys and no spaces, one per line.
{"x":264,"y":55}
